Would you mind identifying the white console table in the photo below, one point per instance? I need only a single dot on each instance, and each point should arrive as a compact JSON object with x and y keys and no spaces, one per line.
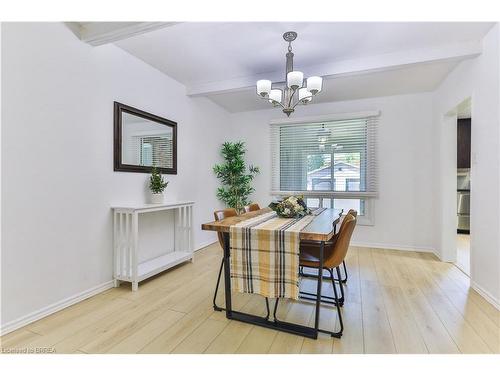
{"x":126,"y":266}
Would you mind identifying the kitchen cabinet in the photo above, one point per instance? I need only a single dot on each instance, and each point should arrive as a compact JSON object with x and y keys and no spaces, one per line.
{"x":463,"y":143}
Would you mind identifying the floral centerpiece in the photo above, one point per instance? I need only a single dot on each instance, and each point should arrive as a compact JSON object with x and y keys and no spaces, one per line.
{"x":291,"y":207}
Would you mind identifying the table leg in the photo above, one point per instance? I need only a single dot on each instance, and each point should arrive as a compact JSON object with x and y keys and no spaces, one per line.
{"x":135,"y":249}
{"x":227,"y":275}
{"x":216,"y":307}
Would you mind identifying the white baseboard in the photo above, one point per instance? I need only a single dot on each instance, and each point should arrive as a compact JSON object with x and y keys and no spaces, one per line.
{"x":486,"y":295}
{"x":395,"y":247}
{"x":55,"y":307}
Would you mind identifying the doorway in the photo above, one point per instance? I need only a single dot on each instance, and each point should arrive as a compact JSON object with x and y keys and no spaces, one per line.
{"x":464,"y":124}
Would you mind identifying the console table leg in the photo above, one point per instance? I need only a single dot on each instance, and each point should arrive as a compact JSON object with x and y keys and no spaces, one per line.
{"x":135,"y":247}
{"x":116,"y":283}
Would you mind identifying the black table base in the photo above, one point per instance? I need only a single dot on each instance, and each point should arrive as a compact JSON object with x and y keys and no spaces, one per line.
{"x":297,"y":329}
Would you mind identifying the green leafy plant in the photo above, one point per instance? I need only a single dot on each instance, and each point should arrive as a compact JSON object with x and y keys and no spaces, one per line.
{"x":156,"y":182}
{"x":235,"y":177}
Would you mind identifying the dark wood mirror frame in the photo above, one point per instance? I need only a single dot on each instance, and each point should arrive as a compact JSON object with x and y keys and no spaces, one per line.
{"x":119,"y":108}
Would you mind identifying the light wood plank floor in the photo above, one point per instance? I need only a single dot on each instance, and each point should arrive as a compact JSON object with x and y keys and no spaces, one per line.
{"x":396,"y":302}
{"x":463,"y":253}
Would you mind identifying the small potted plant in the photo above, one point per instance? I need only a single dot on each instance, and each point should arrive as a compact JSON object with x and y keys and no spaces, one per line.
{"x":157,"y":185}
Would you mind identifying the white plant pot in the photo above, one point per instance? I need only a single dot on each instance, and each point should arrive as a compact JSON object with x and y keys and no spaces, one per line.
{"x":156,"y":198}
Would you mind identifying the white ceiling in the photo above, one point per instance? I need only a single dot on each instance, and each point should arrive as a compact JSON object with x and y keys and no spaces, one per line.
{"x":222,"y":60}
{"x":412,"y":79}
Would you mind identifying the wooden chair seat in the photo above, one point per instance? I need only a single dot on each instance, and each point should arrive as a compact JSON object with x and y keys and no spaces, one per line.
{"x":309,"y":256}
{"x":334,"y":251}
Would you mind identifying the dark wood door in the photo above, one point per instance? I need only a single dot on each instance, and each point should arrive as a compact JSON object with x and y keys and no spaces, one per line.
{"x":463,"y":143}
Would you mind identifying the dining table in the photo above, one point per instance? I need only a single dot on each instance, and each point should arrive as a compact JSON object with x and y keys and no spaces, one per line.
{"x":320,"y":230}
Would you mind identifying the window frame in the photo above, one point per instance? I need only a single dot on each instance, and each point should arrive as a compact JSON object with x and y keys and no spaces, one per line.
{"x":368,"y":196}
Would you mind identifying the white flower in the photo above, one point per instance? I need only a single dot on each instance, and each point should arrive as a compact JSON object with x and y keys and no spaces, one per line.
{"x":286,"y":211}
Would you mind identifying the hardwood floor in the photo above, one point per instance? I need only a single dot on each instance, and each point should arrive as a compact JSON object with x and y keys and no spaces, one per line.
{"x":396,"y":302}
{"x":463,"y":253}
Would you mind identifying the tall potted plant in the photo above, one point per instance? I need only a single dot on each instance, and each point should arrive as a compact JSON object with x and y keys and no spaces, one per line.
{"x":157,"y":185}
{"x":234,"y":175}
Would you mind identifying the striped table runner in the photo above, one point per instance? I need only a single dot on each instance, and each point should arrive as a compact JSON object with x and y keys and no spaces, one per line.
{"x":265,"y":255}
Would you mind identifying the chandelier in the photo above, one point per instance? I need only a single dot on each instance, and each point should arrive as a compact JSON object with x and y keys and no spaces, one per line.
{"x":294,"y":92}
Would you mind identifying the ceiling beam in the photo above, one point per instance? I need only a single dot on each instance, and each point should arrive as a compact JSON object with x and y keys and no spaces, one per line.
{"x":383,"y":62}
{"x":99,"y":33}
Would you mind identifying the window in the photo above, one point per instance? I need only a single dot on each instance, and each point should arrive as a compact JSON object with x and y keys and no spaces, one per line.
{"x":341,"y":204}
{"x":331,"y":162}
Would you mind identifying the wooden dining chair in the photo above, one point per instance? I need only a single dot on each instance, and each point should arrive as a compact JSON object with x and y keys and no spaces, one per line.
{"x":221,"y":215}
{"x":252,"y":207}
{"x":314,"y":243}
{"x":333,"y":254}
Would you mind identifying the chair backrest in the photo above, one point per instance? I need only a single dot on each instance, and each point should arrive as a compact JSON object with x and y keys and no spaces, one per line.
{"x":350,"y":212}
{"x":252,"y":207}
{"x":341,"y":245}
{"x":221,"y":215}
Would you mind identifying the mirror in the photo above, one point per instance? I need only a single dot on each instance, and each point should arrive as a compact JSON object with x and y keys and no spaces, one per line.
{"x":143,"y":140}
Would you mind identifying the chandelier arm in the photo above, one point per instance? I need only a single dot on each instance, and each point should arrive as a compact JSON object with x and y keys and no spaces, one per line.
{"x":300,"y":102}
{"x":291,"y":97}
{"x":267,"y":98}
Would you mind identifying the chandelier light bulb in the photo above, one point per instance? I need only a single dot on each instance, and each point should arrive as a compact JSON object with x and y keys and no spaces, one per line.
{"x":263,"y":87}
{"x":314,"y":84}
{"x":295,"y":79}
{"x":305,"y":96}
{"x":275,"y":96}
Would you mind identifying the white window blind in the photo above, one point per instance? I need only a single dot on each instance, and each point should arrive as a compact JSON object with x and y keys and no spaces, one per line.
{"x":156,"y":151}
{"x":149,"y":150}
{"x":335,"y":158}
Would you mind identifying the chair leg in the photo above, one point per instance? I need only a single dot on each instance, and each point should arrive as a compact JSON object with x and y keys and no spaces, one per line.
{"x":324,"y":298}
{"x":267,"y":308}
{"x":338,"y":333}
{"x":217,"y":308}
{"x":344,"y":280}
{"x":341,"y":300}
{"x":312,"y":276}
{"x":275,"y":310}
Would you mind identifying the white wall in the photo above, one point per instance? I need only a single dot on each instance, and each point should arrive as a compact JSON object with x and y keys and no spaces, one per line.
{"x":404,"y":216}
{"x":478,"y":79}
{"x":57,"y":160}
